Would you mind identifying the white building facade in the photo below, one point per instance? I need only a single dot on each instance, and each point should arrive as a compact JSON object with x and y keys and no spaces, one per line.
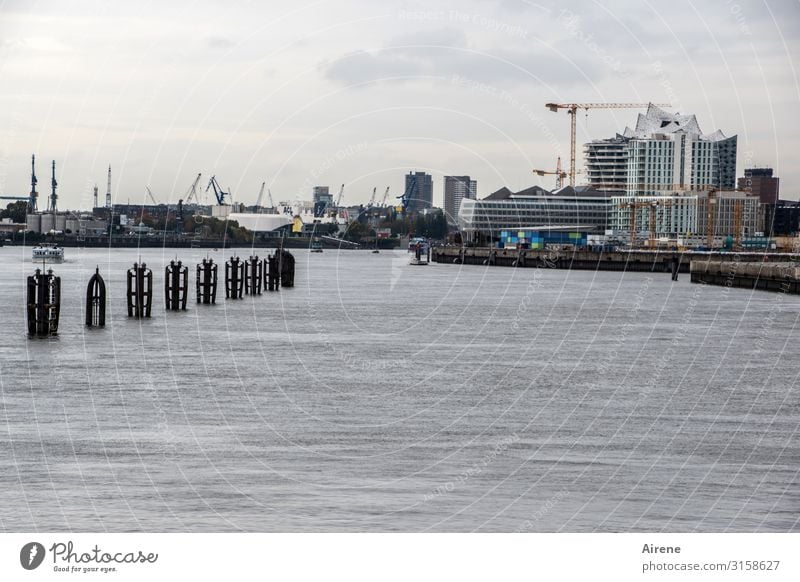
{"x":664,"y":153}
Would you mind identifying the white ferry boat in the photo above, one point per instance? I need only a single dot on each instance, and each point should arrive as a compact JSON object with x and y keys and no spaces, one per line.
{"x":48,"y":253}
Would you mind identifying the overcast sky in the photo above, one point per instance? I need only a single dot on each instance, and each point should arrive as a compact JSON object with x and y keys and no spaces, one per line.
{"x":304,"y":93}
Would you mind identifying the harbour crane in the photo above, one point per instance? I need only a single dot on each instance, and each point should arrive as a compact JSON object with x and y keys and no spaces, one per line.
{"x":339,"y":197}
{"x":385,"y":196}
{"x":372,"y":200}
{"x":737,"y":224}
{"x":572,"y":111}
{"x":150,"y":194}
{"x":191,"y":193}
{"x":261,"y":194}
{"x":179,"y":218}
{"x":711,"y":219}
{"x":271,"y":203}
{"x":409,"y":192}
{"x":219,"y":193}
{"x":559,"y":174}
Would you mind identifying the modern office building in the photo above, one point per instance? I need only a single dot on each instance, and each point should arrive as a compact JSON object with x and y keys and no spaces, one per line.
{"x":686,"y":214}
{"x":456,"y":188}
{"x":534,"y":208}
{"x":664,"y":153}
{"x":761,"y":183}
{"x":419,"y":189}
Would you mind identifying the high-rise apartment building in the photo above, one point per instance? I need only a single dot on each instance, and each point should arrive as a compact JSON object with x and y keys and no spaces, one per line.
{"x":456,"y":188}
{"x":664,"y":153}
{"x":419,"y":189}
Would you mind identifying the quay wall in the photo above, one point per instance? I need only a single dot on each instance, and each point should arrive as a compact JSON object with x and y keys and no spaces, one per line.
{"x":649,"y":261}
{"x":779,"y":277}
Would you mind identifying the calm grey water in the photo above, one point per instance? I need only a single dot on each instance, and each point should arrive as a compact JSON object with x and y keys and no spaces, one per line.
{"x":384,"y":397}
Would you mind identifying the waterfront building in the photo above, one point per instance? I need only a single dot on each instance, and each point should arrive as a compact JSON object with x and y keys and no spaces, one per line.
{"x":761,"y":183}
{"x":456,"y":188}
{"x":533,"y":208}
{"x":686,"y":214}
{"x":665,"y":152}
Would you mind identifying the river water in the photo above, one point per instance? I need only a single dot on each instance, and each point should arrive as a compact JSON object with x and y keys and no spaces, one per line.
{"x":379,"y":396}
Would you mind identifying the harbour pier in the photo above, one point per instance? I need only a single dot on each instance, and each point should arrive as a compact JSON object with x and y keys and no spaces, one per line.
{"x":659,"y":261}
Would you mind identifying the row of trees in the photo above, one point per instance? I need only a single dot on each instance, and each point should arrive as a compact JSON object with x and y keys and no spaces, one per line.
{"x":431,"y":225}
{"x":206,"y":226}
{"x":16,"y":211}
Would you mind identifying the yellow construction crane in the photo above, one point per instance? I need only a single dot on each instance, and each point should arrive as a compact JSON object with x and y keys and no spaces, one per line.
{"x":737,"y":224}
{"x":572,"y":110}
{"x":559,"y":174}
{"x":711,"y":219}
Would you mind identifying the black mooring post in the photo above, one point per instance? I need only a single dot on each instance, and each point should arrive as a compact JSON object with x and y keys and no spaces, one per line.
{"x":287,"y":268}
{"x":272,"y":273}
{"x":140,"y":291}
{"x":253,"y":276}
{"x":44,"y":303}
{"x":676,"y":265}
{"x":234,"y":278}
{"x":207,"y":282}
{"x":96,"y":301}
{"x":176,"y":285}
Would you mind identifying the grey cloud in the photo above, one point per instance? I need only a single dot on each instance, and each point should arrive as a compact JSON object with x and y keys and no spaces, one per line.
{"x":509,"y":66}
{"x":218,"y":42}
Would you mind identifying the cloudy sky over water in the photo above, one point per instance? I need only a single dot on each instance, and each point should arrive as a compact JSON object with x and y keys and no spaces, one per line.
{"x":304,"y":93}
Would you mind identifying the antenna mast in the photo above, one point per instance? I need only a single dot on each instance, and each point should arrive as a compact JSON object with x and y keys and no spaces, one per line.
{"x":34,"y":193}
{"x":108,"y":191}
{"x":53,"y":196}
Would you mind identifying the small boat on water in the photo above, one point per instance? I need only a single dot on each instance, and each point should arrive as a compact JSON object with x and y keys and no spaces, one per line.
{"x":48,"y":253}
{"x":421,"y":249}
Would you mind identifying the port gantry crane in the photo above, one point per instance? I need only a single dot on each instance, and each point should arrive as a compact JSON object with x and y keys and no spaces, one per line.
{"x":385,"y":197}
{"x":372,"y":200}
{"x":572,"y":110}
{"x":219,"y":193}
{"x":191,"y":193}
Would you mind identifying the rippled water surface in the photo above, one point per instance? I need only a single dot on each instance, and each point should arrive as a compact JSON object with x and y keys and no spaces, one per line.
{"x":381,"y":396}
